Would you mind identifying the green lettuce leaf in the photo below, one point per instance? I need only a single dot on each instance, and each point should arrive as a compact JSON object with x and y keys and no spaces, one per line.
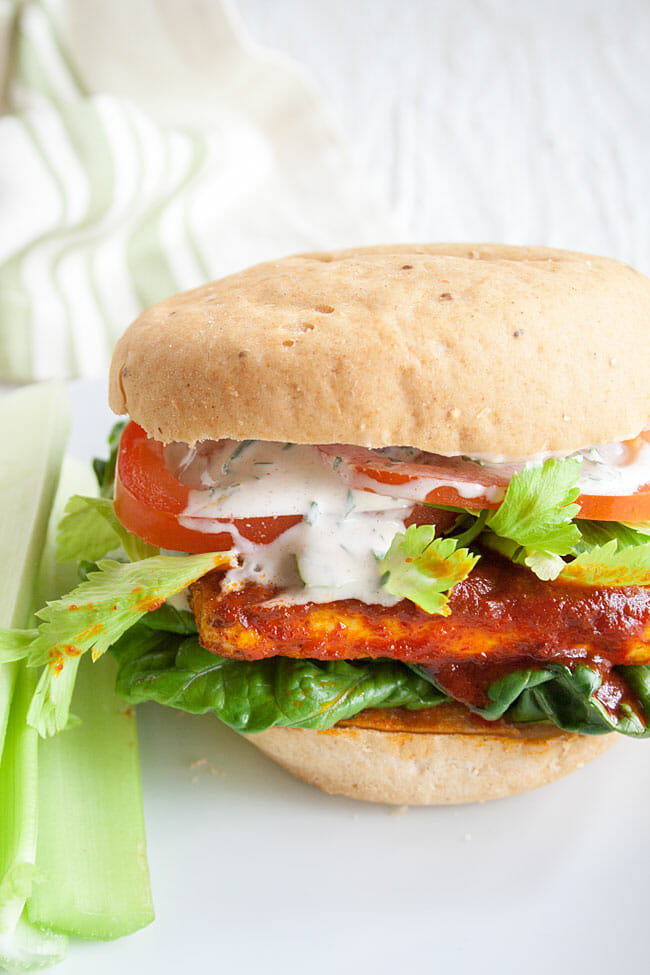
{"x":94,"y":616}
{"x":250,"y":696}
{"x":502,"y":693}
{"x":168,"y":618}
{"x":610,"y":565}
{"x":170,"y":667}
{"x":89,"y":530}
{"x":597,"y":533}
{"x":105,"y":469}
{"x":568,"y":701}
{"x":422,"y":568}
{"x":567,"y":698}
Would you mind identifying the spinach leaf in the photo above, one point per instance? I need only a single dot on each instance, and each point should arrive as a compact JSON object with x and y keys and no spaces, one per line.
{"x":568,"y":699}
{"x":249,"y":696}
{"x":105,"y":469}
{"x":159,"y":661}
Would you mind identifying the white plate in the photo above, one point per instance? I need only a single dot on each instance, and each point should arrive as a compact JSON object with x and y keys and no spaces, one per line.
{"x":253,"y":871}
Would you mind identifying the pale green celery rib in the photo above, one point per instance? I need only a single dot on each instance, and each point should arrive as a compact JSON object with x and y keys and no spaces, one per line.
{"x":22,"y":947}
{"x":18,"y":777}
{"x":33,"y":431}
{"x":91,"y":843}
{"x":8,"y":674}
{"x":91,"y":874}
{"x":33,"y":427}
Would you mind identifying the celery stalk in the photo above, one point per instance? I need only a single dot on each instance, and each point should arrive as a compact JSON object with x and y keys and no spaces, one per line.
{"x":18,"y":778}
{"x":91,"y":841}
{"x":33,"y":425}
{"x":72,"y":833}
{"x":33,"y":430}
{"x":22,"y":947}
{"x":8,"y":674}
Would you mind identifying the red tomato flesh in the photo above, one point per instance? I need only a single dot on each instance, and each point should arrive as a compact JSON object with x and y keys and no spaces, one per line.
{"x":358,"y":465}
{"x":149,"y":500}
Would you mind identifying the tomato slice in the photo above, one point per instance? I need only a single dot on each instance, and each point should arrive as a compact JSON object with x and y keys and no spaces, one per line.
{"x":149,"y":501}
{"x":439,"y":480}
{"x":462,"y":483}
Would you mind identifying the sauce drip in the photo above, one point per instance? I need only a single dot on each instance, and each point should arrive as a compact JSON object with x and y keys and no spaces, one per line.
{"x":502,"y":619}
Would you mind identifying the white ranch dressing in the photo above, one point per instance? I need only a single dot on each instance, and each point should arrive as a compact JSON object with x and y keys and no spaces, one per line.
{"x":611,"y":470}
{"x":260,"y":478}
{"x":333,"y":553}
{"x":614,"y":469}
{"x":317,"y":563}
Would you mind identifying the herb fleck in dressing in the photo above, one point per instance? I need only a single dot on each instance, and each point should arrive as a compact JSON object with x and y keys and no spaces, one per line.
{"x":331,"y":554}
{"x":614,"y":469}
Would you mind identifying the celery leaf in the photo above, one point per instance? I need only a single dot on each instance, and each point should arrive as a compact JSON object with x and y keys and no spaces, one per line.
{"x":423,"y":568}
{"x":598,"y":533}
{"x":96,"y":614}
{"x":611,"y":565}
{"x":90,"y":529}
{"x":537,"y":510}
{"x":15,"y":644}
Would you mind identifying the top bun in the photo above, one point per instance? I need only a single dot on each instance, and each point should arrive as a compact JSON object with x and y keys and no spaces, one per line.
{"x":450,"y":348}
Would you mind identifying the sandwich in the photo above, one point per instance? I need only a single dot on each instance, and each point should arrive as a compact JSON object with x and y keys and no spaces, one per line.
{"x":386,"y":512}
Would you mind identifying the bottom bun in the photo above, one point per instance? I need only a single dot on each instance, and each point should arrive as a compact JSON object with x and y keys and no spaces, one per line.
{"x":439,"y":756}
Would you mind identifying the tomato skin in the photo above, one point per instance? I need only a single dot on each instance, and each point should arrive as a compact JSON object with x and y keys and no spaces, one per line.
{"x":633,"y":508}
{"x":358,"y":465}
{"x":142,"y":472}
{"x":445,"y":494}
{"x":162,"y":528}
{"x":149,"y":500}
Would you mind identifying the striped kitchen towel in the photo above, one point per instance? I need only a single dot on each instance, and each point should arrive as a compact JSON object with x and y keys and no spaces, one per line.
{"x":147,"y":147}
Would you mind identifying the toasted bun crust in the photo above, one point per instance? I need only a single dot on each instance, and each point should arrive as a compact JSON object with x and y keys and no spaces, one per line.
{"x":451,"y":348}
{"x":444,"y":757}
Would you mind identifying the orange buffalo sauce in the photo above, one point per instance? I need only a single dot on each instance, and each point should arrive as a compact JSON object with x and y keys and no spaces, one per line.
{"x":503,"y":618}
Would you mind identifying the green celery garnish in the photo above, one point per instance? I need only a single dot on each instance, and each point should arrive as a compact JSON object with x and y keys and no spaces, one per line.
{"x":95,"y":615}
{"x":89,"y":530}
{"x":423,"y":568}
{"x":537,"y":510}
{"x":609,"y":565}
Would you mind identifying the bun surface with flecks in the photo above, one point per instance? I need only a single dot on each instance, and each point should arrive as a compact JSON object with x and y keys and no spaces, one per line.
{"x":443,"y":757}
{"x":451,"y":348}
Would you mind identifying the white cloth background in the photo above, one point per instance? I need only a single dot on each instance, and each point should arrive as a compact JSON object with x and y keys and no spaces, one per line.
{"x":147,"y":147}
{"x":469,"y":119}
